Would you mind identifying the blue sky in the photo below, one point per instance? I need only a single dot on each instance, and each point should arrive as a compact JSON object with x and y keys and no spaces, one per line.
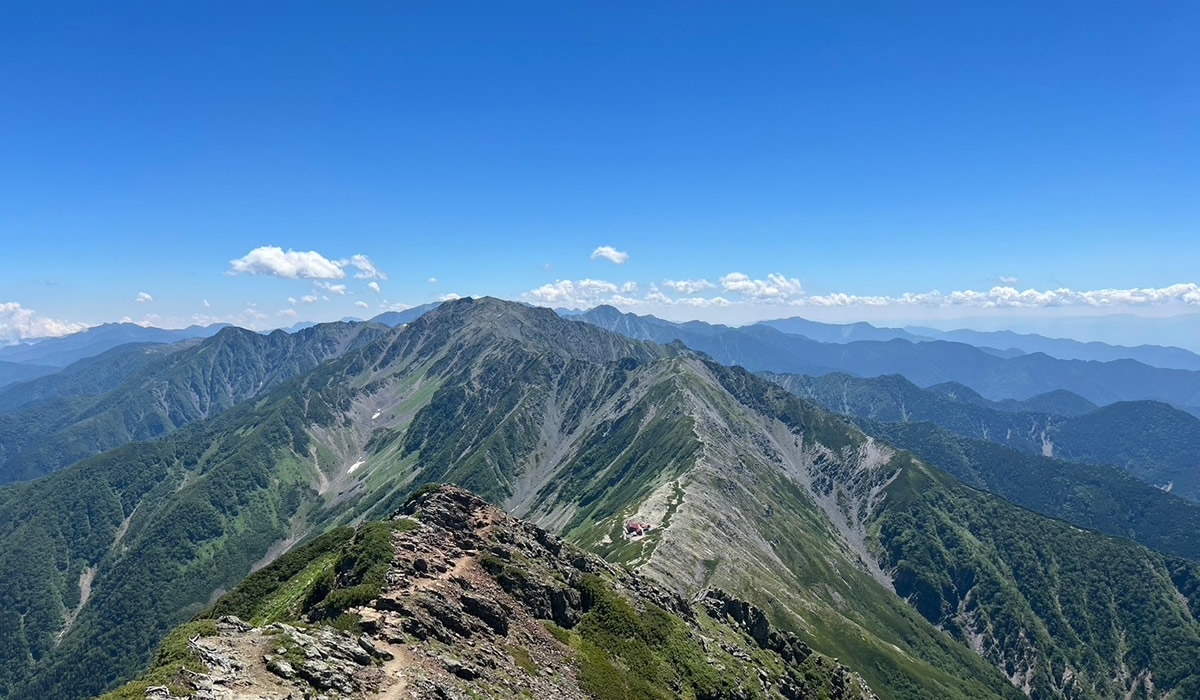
{"x":871,"y":150}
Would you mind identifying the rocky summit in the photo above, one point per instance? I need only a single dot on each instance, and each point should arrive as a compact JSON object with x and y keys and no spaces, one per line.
{"x":453,"y":598}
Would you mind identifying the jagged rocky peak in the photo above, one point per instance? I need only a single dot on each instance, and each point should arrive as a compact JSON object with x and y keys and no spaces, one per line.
{"x":474,"y":603}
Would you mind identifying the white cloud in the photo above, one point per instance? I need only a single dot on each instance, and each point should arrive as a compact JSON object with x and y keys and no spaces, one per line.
{"x":290,"y":313}
{"x":306,"y":265}
{"x":1006,"y":279}
{"x":776,"y":289}
{"x":366,"y":268}
{"x":688,"y":286}
{"x":338,"y":289}
{"x":291,"y":300}
{"x":374,"y":287}
{"x":310,"y":299}
{"x":611,"y":254}
{"x":253,"y":317}
{"x":655,"y":296}
{"x":585,"y":292}
{"x":776,"y":286}
{"x":361,"y":304}
{"x":596,"y":287}
{"x":143,"y":298}
{"x":432,"y":280}
{"x":18,"y":323}
{"x":293,"y":264}
{"x":1012,"y":298}
{"x":547,"y":267}
{"x":590,"y":292}
{"x":704,"y":302}
{"x":553,"y":293}
{"x":449,"y":297}
{"x":205,"y":304}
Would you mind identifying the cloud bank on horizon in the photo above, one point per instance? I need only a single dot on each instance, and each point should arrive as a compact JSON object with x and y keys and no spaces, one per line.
{"x":736,"y":296}
{"x":779,"y":290}
{"x":17,"y":322}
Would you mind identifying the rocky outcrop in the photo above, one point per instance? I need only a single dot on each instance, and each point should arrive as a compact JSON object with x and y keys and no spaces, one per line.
{"x":753,"y":621}
{"x":479,"y":604}
{"x":280,"y":662}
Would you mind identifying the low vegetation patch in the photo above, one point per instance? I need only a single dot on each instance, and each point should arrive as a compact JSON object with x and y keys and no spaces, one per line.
{"x":172,"y":657}
{"x":265,"y":593}
{"x":360,"y":571}
{"x":627,"y":654}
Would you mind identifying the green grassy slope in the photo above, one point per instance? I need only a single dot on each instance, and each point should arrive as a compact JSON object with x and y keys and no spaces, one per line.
{"x":749,"y":488}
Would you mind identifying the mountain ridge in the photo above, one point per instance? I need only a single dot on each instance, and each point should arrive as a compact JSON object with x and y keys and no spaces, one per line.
{"x":747,"y":487}
{"x":762,"y":348}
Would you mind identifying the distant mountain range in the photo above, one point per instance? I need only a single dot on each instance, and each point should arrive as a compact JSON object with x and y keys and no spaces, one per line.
{"x":1177,"y":330}
{"x":924,"y":586}
{"x":64,"y":350}
{"x":1067,"y":349}
{"x":762,"y":347}
{"x":841,"y":332}
{"x":1002,"y":341}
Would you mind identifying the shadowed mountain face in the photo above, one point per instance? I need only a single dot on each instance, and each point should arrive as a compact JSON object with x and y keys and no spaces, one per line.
{"x":762,"y":348}
{"x":86,"y":377}
{"x":863,"y":552}
{"x":170,"y":387}
{"x":1096,"y":497}
{"x":1059,"y":402}
{"x":1001,"y":452}
{"x":13,"y":372}
{"x":1153,"y":442}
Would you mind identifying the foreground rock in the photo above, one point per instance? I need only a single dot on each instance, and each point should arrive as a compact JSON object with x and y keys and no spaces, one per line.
{"x":475,"y":604}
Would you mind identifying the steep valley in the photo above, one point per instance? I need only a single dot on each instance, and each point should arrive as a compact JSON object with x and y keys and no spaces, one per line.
{"x":920,"y":585}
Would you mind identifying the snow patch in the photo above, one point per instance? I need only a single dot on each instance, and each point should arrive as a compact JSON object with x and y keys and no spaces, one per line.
{"x":356,"y":465}
{"x":377,"y":414}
